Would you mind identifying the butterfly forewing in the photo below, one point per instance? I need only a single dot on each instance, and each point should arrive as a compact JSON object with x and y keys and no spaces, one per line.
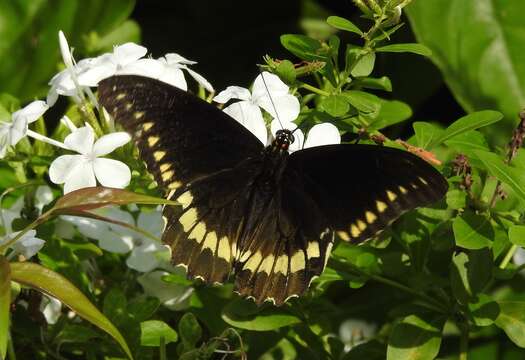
{"x":363,"y":188}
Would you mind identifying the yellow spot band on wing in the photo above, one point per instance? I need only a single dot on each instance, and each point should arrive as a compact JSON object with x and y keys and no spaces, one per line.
{"x":158,"y":155}
{"x":253,"y":262}
{"x":167,"y":175}
{"x":210,"y":242}
{"x":224,"y":249}
{"x":245,"y":256}
{"x":402,"y":189}
{"x":422,"y":180}
{"x":152,"y":140}
{"x":370,"y":217}
{"x":354,"y":231}
{"x":174,"y":185}
{"x":185,"y":199}
{"x":198,"y":232}
{"x":312,"y":251}
{"x":381,"y":206}
{"x":391,"y":195}
{"x":147,"y":126}
{"x":343,"y":235}
{"x":164,"y":167}
{"x":361,"y":225}
{"x":281,"y":265}
{"x":138,"y":114}
{"x":297,"y":262}
{"x":188,"y":219}
{"x":267,"y":264}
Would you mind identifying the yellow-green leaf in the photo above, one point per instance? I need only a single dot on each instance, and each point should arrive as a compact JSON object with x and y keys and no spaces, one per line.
{"x":5,"y":300}
{"x":54,"y":284}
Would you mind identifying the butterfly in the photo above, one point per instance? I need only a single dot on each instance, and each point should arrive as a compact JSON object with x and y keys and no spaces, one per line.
{"x":259,"y":212}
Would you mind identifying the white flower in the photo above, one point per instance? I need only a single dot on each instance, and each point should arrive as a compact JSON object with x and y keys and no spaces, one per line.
{"x":28,"y":245}
{"x":12,"y":132}
{"x":8,"y":215}
{"x":320,"y":134}
{"x":51,"y":308}
{"x":80,"y":171}
{"x":43,"y":196}
{"x":107,"y":65}
{"x":65,"y":82}
{"x":167,"y":69}
{"x":354,"y":332}
{"x":146,"y":254}
{"x":269,"y":93}
{"x":174,"y":296}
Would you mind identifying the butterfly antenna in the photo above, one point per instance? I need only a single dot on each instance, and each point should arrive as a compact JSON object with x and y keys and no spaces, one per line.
{"x":271,"y":100}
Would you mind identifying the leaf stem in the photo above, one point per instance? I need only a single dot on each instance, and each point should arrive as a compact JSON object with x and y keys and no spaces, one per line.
{"x":508,"y":256}
{"x":463,"y":341}
{"x":314,"y":89}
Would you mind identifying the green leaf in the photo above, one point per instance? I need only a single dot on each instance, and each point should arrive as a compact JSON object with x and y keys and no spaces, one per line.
{"x":512,"y":320}
{"x":365,"y":65}
{"x":5,"y":303}
{"x":302,"y":46}
{"x":392,"y":112}
{"x":426,"y":133}
{"x":415,"y":337}
{"x":343,"y":24}
{"x":495,"y":165}
{"x":335,"y":105}
{"x":517,"y":234}
{"x":469,"y":122}
{"x":245,"y":314}
{"x":485,"y":311}
{"x":473,"y":231}
{"x":56,"y":285}
{"x":415,"y":48}
{"x":365,"y":103}
{"x":468,"y":143}
{"x":456,"y":199}
{"x":114,"y":307}
{"x":487,"y":70}
{"x":152,"y":331}
{"x":190,"y":331}
{"x":470,"y":273}
{"x":142,"y":309}
{"x":382,"y":83}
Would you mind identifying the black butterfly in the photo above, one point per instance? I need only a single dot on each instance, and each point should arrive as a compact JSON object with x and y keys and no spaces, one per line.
{"x":267,"y":215}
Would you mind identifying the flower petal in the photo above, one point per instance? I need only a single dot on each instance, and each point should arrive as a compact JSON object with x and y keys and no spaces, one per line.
{"x":151,"y":221}
{"x":107,"y":143}
{"x":81,"y":140}
{"x":287,"y":106}
{"x":271,"y":84}
{"x":200,"y":79}
{"x":64,"y":49}
{"x":51,"y":308}
{"x":128,"y":53}
{"x":232,"y":92}
{"x":17,"y":130}
{"x":322,"y":134}
{"x":62,"y":166}
{"x":28,"y":245}
{"x":99,"y":68}
{"x":90,"y":228}
{"x":173,"y":296}
{"x":147,"y":256}
{"x":112,"y":173}
{"x":173,"y":58}
{"x":80,"y":177}
{"x":115,"y":243}
{"x":249,"y":115}
{"x":31,"y":112}
{"x":43,"y":196}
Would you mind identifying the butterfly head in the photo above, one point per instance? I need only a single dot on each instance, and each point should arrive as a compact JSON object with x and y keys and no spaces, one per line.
{"x":283,"y":139}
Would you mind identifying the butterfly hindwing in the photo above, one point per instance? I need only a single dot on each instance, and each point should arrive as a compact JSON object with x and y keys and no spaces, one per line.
{"x":363,"y":188}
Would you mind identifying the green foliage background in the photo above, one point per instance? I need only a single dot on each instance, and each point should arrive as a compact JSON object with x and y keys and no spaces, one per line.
{"x":440,"y":283}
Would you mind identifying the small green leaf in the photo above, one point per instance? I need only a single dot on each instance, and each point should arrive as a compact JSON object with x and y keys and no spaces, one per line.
{"x":245,"y":314}
{"x":472,"y":231}
{"x":365,"y":65}
{"x":392,"y":112}
{"x":470,"y":273}
{"x":512,"y":320}
{"x":56,"y":285}
{"x":190,"y":331}
{"x":365,"y":103}
{"x":5,"y":303}
{"x":495,"y":165}
{"x":343,"y":24}
{"x":415,"y":337}
{"x":382,"y":83}
{"x":114,"y":307}
{"x":426,"y":133}
{"x":142,"y":309}
{"x":469,"y":122}
{"x":517,"y":234}
{"x":335,"y":105}
{"x":302,"y":46}
{"x":485,"y":311}
{"x":152,"y":331}
{"x":456,"y":199}
{"x":415,"y":48}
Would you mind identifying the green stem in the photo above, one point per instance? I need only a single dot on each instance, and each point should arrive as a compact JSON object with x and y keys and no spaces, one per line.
{"x":508,"y":256}
{"x":34,"y":224}
{"x":463,"y":342}
{"x":162,"y":349}
{"x":314,"y":89}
